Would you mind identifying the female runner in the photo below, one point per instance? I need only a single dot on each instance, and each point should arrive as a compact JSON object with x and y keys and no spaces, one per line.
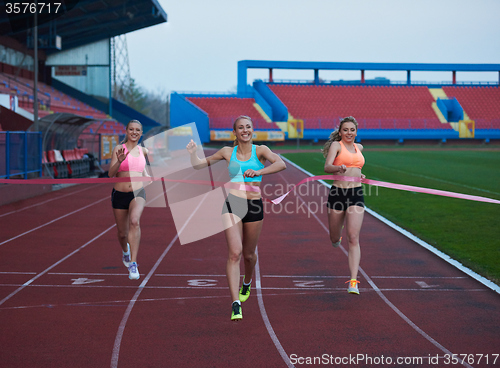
{"x":246,"y":166}
{"x":346,"y":200}
{"x":128,"y":198}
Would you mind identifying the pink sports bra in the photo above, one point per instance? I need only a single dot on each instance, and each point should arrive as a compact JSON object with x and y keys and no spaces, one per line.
{"x":131,"y":163}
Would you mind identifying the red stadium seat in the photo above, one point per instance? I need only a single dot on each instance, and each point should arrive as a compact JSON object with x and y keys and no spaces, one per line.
{"x":222,"y":111}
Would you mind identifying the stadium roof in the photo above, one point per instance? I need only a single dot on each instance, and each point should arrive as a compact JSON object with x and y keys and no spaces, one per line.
{"x":243,"y":65}
{"x":85,"y":21}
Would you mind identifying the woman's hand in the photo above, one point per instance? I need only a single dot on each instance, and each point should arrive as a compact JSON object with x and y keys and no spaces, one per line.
{"x":146,"y":174}
{"x":121,"y":155}
{"x":251,"y":173}
{"x":191,"y":147}
{"x":363,"y":176}
{"x":342,"y":169}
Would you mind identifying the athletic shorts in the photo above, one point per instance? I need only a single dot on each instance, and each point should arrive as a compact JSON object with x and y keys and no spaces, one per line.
{"x":341,"y":198}
{"x":248,"y":210}
{"x":121,"y":200}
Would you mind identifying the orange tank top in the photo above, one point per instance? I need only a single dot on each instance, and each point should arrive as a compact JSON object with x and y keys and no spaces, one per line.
{"x":344,"y":157}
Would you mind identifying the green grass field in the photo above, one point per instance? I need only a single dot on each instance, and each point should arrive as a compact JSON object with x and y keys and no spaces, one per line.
{"x":467,"y":231}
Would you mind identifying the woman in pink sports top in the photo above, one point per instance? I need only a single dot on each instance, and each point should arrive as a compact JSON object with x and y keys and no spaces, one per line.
{"x":129,"y":198}
{"x":346,"y":199}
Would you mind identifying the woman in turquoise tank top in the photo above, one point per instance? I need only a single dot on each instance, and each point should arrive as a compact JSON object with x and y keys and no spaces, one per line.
{"x":243,"y":210}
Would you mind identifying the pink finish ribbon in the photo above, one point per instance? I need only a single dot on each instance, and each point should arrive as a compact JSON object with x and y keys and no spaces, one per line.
{"x":251,"y":188}
{"x":384,"y":184}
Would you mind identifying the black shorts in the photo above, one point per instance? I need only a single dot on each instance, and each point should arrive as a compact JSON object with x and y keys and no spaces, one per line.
{"x":341,"y":198}
{"x":248,"y":210}
{"x":121,"y":200}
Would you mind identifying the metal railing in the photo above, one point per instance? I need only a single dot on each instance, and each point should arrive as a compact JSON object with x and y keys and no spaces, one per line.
{"x":20,"y":154}
{"x":385,"y":82}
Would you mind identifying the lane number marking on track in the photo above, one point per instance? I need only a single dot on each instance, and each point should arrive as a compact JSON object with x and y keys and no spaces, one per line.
{"x":309,"y":284}
{"x":202,"y":282}
{"x":424,"y":285}
{"x":84,"y":280}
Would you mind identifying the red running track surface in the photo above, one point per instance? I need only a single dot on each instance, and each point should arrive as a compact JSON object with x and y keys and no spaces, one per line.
{"x":66,"y":300}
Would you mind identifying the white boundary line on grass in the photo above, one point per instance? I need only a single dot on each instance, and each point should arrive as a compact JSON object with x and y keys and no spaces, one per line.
{"x":417,"y":240}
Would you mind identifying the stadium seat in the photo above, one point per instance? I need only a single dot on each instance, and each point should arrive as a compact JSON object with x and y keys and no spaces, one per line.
{"x":378,"y":107}
{"x":222,"y":111}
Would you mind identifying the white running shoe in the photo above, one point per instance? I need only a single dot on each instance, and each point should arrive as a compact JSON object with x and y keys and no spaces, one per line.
{"x":133,"y":271}
{"x":126,"y":257}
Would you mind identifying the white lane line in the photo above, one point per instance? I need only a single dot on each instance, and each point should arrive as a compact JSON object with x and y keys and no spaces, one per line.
{"x":438,"y":253}
{"x":119,"y":335}
{"x":52,"y":221}
{"x":54,"y":265}
{"x":409,"y":235}
{"x":125,"y":302}
{"x":322,"y":288}
{"x":263,"y":276}
{"x":384,"y":298}
{"x":265,"y":318}
{"x":17,"y":273}
{"x":44,"y":202}
{"x":61,"y":260}
{"x":27,"y":283}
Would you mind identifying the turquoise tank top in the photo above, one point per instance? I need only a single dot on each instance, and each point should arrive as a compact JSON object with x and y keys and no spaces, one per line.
{"x":237,"y":167}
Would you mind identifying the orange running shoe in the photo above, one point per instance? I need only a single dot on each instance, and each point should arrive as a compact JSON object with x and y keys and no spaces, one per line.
{"x":353,"y":286}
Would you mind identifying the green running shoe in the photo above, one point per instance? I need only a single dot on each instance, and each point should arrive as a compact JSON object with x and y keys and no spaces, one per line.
{"x":236,"y":313}
{"x":244,"y":292}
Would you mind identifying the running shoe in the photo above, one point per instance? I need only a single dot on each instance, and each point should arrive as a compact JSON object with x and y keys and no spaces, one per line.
{"x":244,"y":292}
{"x":236,"y":313}
{"x":126,"y":257}
{"x":353,"y":286}
{"x":337,"y":244}
{"x":133,"y":271}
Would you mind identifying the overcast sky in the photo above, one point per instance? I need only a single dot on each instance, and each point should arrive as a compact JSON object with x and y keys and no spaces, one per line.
{"x":200,"y":45}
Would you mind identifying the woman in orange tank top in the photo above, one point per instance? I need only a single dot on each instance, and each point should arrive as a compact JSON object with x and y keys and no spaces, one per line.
{"x":346,"y":201}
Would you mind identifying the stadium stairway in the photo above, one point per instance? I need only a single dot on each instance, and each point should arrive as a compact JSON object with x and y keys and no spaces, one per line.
{"x":439,"y":93}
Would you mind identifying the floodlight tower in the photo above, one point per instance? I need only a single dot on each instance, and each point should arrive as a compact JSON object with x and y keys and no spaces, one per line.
{"x":120,"y":68}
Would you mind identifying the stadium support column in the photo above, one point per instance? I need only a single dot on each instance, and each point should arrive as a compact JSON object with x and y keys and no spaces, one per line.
{"x":454,"y":80}
{"x":362,"y":76}
{"x":270,"y":75}
{"x":35,"y":69}
{"x":316,"y":76}
{"x":408,"y":77}
{"x":110,"y":82}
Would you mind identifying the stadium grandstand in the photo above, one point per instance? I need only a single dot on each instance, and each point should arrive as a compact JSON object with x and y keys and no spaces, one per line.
{"x":60,"y":112}
{"x":384,"y":109}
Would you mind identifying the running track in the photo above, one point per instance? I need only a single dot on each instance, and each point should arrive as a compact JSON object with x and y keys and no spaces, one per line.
{"x":66,"y":300}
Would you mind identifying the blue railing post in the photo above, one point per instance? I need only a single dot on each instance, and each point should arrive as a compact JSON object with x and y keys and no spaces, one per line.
{"x":40,"y":149}
{"x":100,"y":149}
{"x":7,"y":154}
{"x":26,"y":155}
